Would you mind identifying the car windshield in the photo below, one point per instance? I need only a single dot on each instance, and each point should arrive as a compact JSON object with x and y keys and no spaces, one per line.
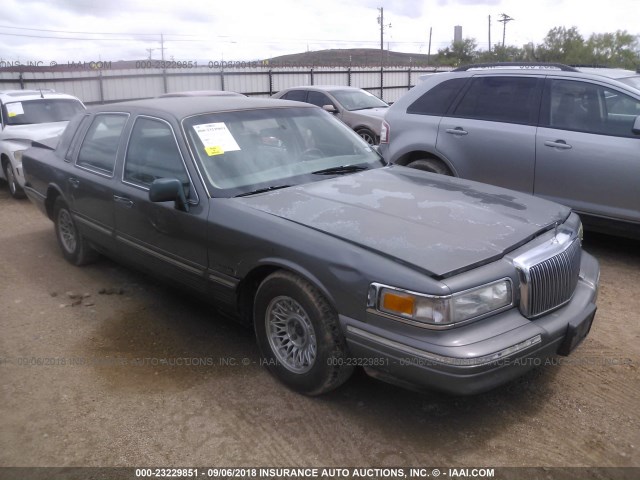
{"x":358,"y":99}
{"x":255,"y":150}
{"x":42,"y":110}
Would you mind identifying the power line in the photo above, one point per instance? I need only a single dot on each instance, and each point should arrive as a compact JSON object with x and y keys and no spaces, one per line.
{"x":90,"y":33}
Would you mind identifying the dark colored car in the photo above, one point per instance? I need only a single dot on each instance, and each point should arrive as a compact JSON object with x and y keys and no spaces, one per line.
{"x":281,"y":214}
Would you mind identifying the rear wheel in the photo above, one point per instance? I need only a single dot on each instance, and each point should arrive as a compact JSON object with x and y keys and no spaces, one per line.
{"x":75,"y":248}
{"x":431,"y":165}
{"x":367,"y":135}
{"x":299,"y":335}
{"x":15,"y":190}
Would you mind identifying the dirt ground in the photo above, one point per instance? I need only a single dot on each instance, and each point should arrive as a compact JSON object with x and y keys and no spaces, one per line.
{"x":136,"y":374}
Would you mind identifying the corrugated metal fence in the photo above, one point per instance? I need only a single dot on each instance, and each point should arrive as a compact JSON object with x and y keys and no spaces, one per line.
{"x":106,"y":85}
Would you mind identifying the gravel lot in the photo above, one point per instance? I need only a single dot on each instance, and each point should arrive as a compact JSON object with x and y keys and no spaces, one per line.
{"x":105,"y":382}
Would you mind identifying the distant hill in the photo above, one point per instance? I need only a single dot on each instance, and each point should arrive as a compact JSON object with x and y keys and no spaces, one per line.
{"x":355,"y":57}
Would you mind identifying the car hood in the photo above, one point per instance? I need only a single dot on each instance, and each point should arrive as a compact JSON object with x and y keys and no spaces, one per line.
{"x":439,"y":224}
{"x":34,"y":131}
{"x":372,"y":112}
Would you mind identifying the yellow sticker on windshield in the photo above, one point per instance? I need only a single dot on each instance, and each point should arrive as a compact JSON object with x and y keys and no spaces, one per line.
{"x":211,"y":151}
{"x":216,"y":138}
{"x":14,"y":109}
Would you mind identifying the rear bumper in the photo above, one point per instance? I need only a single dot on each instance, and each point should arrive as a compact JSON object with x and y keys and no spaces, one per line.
{"x":486,"y":362}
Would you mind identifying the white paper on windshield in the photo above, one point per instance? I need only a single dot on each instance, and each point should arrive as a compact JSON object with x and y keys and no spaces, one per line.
{"x":217,"y":138}
{"x":14,"y":109}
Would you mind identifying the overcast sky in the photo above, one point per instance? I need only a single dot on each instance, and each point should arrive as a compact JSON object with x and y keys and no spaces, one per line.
{"x":236,"y":30}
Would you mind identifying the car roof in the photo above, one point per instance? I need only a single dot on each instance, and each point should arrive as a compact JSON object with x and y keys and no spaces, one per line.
{"x":181,"y":107}
{"x":19,"y":95}
{"x":325,"y":88}
{"x":615,"y":73}
{"x":202,"y":93}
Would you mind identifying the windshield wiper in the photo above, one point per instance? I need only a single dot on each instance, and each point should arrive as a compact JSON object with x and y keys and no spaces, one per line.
{"x":340,"y":170}
{"x":262,"y":190}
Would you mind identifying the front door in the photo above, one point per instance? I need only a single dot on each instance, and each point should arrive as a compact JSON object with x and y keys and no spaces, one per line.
{"x":156,"y":235}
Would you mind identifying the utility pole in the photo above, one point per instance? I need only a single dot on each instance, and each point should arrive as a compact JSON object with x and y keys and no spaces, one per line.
{"x":489,"y":33}
{"x":162,"y":46}
{"x":504,"y":20}
{"x":382,"y":26}
{"x":150,"y":50}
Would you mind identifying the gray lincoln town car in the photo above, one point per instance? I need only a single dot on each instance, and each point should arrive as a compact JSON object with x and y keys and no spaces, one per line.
{"x":281,"y":214}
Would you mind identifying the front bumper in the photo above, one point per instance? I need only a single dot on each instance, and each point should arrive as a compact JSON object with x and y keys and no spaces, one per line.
{"x":479,"y":356}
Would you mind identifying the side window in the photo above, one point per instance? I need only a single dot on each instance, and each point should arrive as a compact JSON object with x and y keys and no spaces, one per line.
{"x":153,"y":153}
{"x":297,"y":95}
{"x":100,"y":145}
{"x":502,"y":99}
{"x":319,"y":99}
{"x":590,"y":108}
{"x":437,"y":100}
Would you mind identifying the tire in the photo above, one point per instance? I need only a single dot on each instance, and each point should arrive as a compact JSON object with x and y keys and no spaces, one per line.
{"x":299,"y":335}
{"x":75,"y":248}
{"x":431,"y":165}
{"x":15,"y":190}
{"x":367,"y":135}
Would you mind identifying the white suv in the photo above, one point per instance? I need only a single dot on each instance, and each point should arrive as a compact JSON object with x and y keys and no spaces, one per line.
{"x":28,"y":115}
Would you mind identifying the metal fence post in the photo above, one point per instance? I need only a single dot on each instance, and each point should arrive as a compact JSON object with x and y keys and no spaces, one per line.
{"x":270,"y":82}
{"x":101,"y":87}
{"x":21,"y":81}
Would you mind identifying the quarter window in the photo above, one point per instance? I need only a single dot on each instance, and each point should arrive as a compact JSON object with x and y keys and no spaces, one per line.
{"x":502,"y":99}
{"x":152,"y":154}
{"x":100,"y":146}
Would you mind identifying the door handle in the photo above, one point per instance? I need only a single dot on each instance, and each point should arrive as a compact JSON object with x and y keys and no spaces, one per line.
{"x":75,"y":183}
{"x":561,"y":144}
{"x":457,"y":131}
{"x":124,"y":201}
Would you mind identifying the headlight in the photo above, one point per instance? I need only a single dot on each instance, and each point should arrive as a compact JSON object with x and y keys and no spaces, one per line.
{"x":441,"y":311}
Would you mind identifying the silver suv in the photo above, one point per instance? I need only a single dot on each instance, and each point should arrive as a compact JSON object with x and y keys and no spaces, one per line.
{"x":567,"y":134}
{"x":27,"y":116}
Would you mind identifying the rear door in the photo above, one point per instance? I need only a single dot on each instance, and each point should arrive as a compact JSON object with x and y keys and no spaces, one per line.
{"x":489,"y":133}
{"x":88,"y":186}
{"x":587,"y":155}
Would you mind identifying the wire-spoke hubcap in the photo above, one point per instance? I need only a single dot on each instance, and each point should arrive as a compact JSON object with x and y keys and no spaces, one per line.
{"x":11,"y":179}
{"x":291,"y":334}
{"x":67,"y":231}
{"x":367,"y":138}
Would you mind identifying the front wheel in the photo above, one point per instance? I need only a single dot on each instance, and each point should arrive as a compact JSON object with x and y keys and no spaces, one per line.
{"x":75,"y":248}
{"x":299,"y":335}
{"x":15,"y":189}
{"x":431,"y":165}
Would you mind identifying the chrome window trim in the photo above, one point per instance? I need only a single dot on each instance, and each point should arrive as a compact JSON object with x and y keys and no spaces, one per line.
{"x":195,"y":201}
{"x":95,"y":170}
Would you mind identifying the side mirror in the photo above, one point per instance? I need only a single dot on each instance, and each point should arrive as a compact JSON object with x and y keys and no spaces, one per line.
{"x":330,"y":108}
{"x":636,"y":126}
{"x":169,"y":190}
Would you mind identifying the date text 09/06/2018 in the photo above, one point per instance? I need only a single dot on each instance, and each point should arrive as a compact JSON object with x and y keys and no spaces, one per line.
{"x":313,"y":472}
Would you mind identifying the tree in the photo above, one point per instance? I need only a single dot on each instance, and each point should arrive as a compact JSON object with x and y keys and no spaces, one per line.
{"x":615,"y":49}
{"x":458,"y":53}
{"x":564,"y":46}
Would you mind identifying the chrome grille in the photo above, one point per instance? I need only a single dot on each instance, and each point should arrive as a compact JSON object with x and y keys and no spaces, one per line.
{"x":550,"y":283}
